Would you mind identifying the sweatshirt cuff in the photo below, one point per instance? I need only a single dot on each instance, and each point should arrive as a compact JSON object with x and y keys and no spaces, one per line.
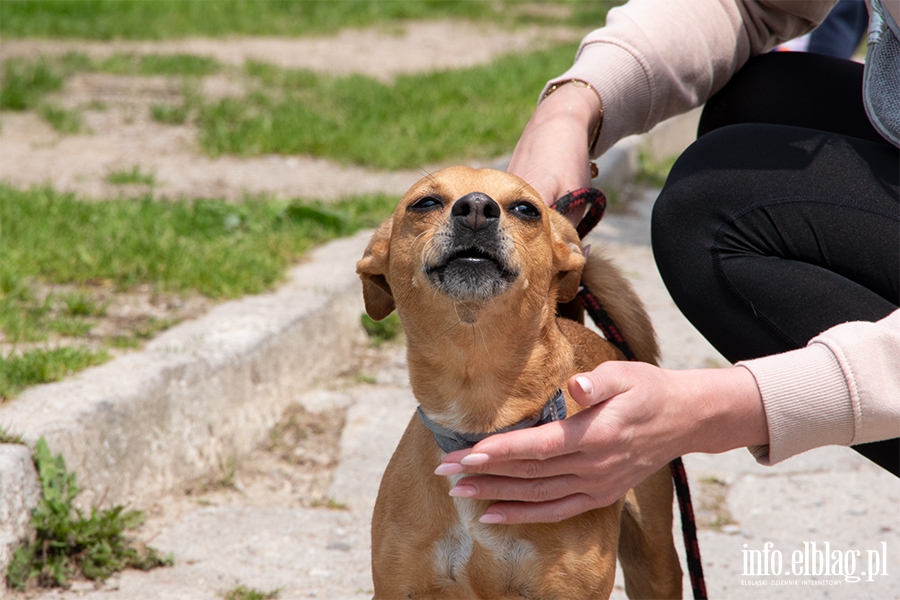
{"x":806,"y":400}
{"x":621,"y":80}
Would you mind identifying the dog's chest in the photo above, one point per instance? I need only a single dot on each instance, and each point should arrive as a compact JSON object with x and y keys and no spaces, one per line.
{"x":509,"y":559}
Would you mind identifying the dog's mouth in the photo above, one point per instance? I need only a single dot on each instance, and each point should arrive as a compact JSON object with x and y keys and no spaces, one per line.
{"x":471,"y":273}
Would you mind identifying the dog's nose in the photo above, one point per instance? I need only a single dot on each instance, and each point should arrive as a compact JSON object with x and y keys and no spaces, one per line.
{"x":476,"y":210}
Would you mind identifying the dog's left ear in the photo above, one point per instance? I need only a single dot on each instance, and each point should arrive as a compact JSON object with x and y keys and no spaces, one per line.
{"x":372,"y":270}
{"x":568,"y":259}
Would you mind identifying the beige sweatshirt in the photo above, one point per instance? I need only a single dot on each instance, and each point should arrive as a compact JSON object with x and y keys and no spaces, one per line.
{"x":658,"y":58}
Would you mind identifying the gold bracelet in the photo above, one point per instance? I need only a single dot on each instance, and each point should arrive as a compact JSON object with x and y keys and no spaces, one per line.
{"x":595,"y":134}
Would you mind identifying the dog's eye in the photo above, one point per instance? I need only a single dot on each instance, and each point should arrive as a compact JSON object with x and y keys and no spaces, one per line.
{"x":525,"y":210}
{"x":425,"y":204}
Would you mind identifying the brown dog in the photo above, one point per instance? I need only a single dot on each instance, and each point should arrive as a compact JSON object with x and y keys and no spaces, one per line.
{"x":475,"y":263}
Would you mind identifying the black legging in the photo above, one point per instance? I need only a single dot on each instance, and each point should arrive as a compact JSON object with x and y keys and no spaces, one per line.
{"x":781,"y":220}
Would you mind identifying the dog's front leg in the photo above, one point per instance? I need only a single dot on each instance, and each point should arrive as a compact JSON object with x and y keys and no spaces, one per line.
{"x":646,"y":546}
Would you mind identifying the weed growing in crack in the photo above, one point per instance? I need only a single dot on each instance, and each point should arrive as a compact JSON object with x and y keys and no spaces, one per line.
{"x":8,"y":437}
{"x":68,"y":543}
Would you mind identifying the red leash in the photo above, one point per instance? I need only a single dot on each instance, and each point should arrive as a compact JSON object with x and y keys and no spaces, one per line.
{"x":595,"y":203}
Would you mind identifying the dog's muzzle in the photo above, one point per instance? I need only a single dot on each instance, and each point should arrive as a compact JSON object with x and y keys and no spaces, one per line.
{"x":471,"y":252}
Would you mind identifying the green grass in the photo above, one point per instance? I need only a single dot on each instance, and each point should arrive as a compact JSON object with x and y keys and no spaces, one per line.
{"x":381,"y":331}
{"x":654,"y":172}
{"x":132,"y":176}
{"x":69,"y":543}
{"x":218,"y":249}
{"x":82,"y":305}
{"x":62,"y":120}
{"x":26,"y":318}
{"x":23,"y":86}
{"x":170,"y":115}
{"x":157,"y":64}
{"x":166,"y":19}
{"x":242,"y":592}
{"x":24,"y":83}
{"x":419,"y":119}
{"x":37,"y":366}
{"x":9,"y":437}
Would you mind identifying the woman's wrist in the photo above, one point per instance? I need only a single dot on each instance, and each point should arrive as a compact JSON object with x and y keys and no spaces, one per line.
{"x":729,"y":411}
{"x":552,"y":154}
{"x":575,"y":90}
{"x":575,"y":104}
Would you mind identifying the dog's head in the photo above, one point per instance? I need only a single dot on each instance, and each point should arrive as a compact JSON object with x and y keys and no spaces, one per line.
{"x":467,"y":237}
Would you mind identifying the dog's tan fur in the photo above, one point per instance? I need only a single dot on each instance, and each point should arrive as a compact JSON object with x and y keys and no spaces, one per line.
{"x":482,"y":360}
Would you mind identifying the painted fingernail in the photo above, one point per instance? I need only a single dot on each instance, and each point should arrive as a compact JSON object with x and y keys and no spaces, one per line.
{"x":464,"y":491}
{"x":448,"y":469}
{"x":491,"y":518}
{"x":586,"y":385}
{"x":474,"y":459}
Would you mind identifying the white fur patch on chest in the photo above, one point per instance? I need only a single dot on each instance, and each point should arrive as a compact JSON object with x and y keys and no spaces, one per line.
{"x":453,"y":551}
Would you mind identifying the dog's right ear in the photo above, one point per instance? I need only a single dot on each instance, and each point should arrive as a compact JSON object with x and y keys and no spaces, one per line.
{"x":372,"y":270}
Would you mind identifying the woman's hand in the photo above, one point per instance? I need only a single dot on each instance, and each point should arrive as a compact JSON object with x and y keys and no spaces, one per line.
{"x":552,"y":154}
{"x":639,"y":418}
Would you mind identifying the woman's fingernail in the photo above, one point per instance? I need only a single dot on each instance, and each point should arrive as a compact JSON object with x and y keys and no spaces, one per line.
{"x":474,"y":459}
{"x":448,"y":469}
{"x":491,"y":518}
{"x":586,"y":385}
{"x":464,"y":491}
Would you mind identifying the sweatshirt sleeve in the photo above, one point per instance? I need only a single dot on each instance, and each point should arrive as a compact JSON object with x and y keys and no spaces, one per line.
{"x":842,"y":389}
{"x":655,"y":59}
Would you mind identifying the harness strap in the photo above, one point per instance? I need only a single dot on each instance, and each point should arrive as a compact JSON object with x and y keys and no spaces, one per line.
{"x":596,"y":201}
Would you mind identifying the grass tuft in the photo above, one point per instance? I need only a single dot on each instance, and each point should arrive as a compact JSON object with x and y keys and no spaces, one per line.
{"x":61,"y":119}
{"x":170,"y":115}
{"x":82,"y":305}
{"x":68,"y":543}
{"x":381,"y":331}
{"x":23,"y":86}
{"x":40,"y":365}
{"x":134,"y":176}
{"x":8,"y":437}
{"x":653,"y":172}
{"x":25,"y":82}
{"x":160,"y":64}
{"x":242,"y":592}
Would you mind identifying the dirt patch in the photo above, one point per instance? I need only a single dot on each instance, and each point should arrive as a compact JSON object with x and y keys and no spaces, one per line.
{"x":120,"y":139}
{"x":119,"y":133}
{"x":292,"y":468}
{"x":712,"y":506}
